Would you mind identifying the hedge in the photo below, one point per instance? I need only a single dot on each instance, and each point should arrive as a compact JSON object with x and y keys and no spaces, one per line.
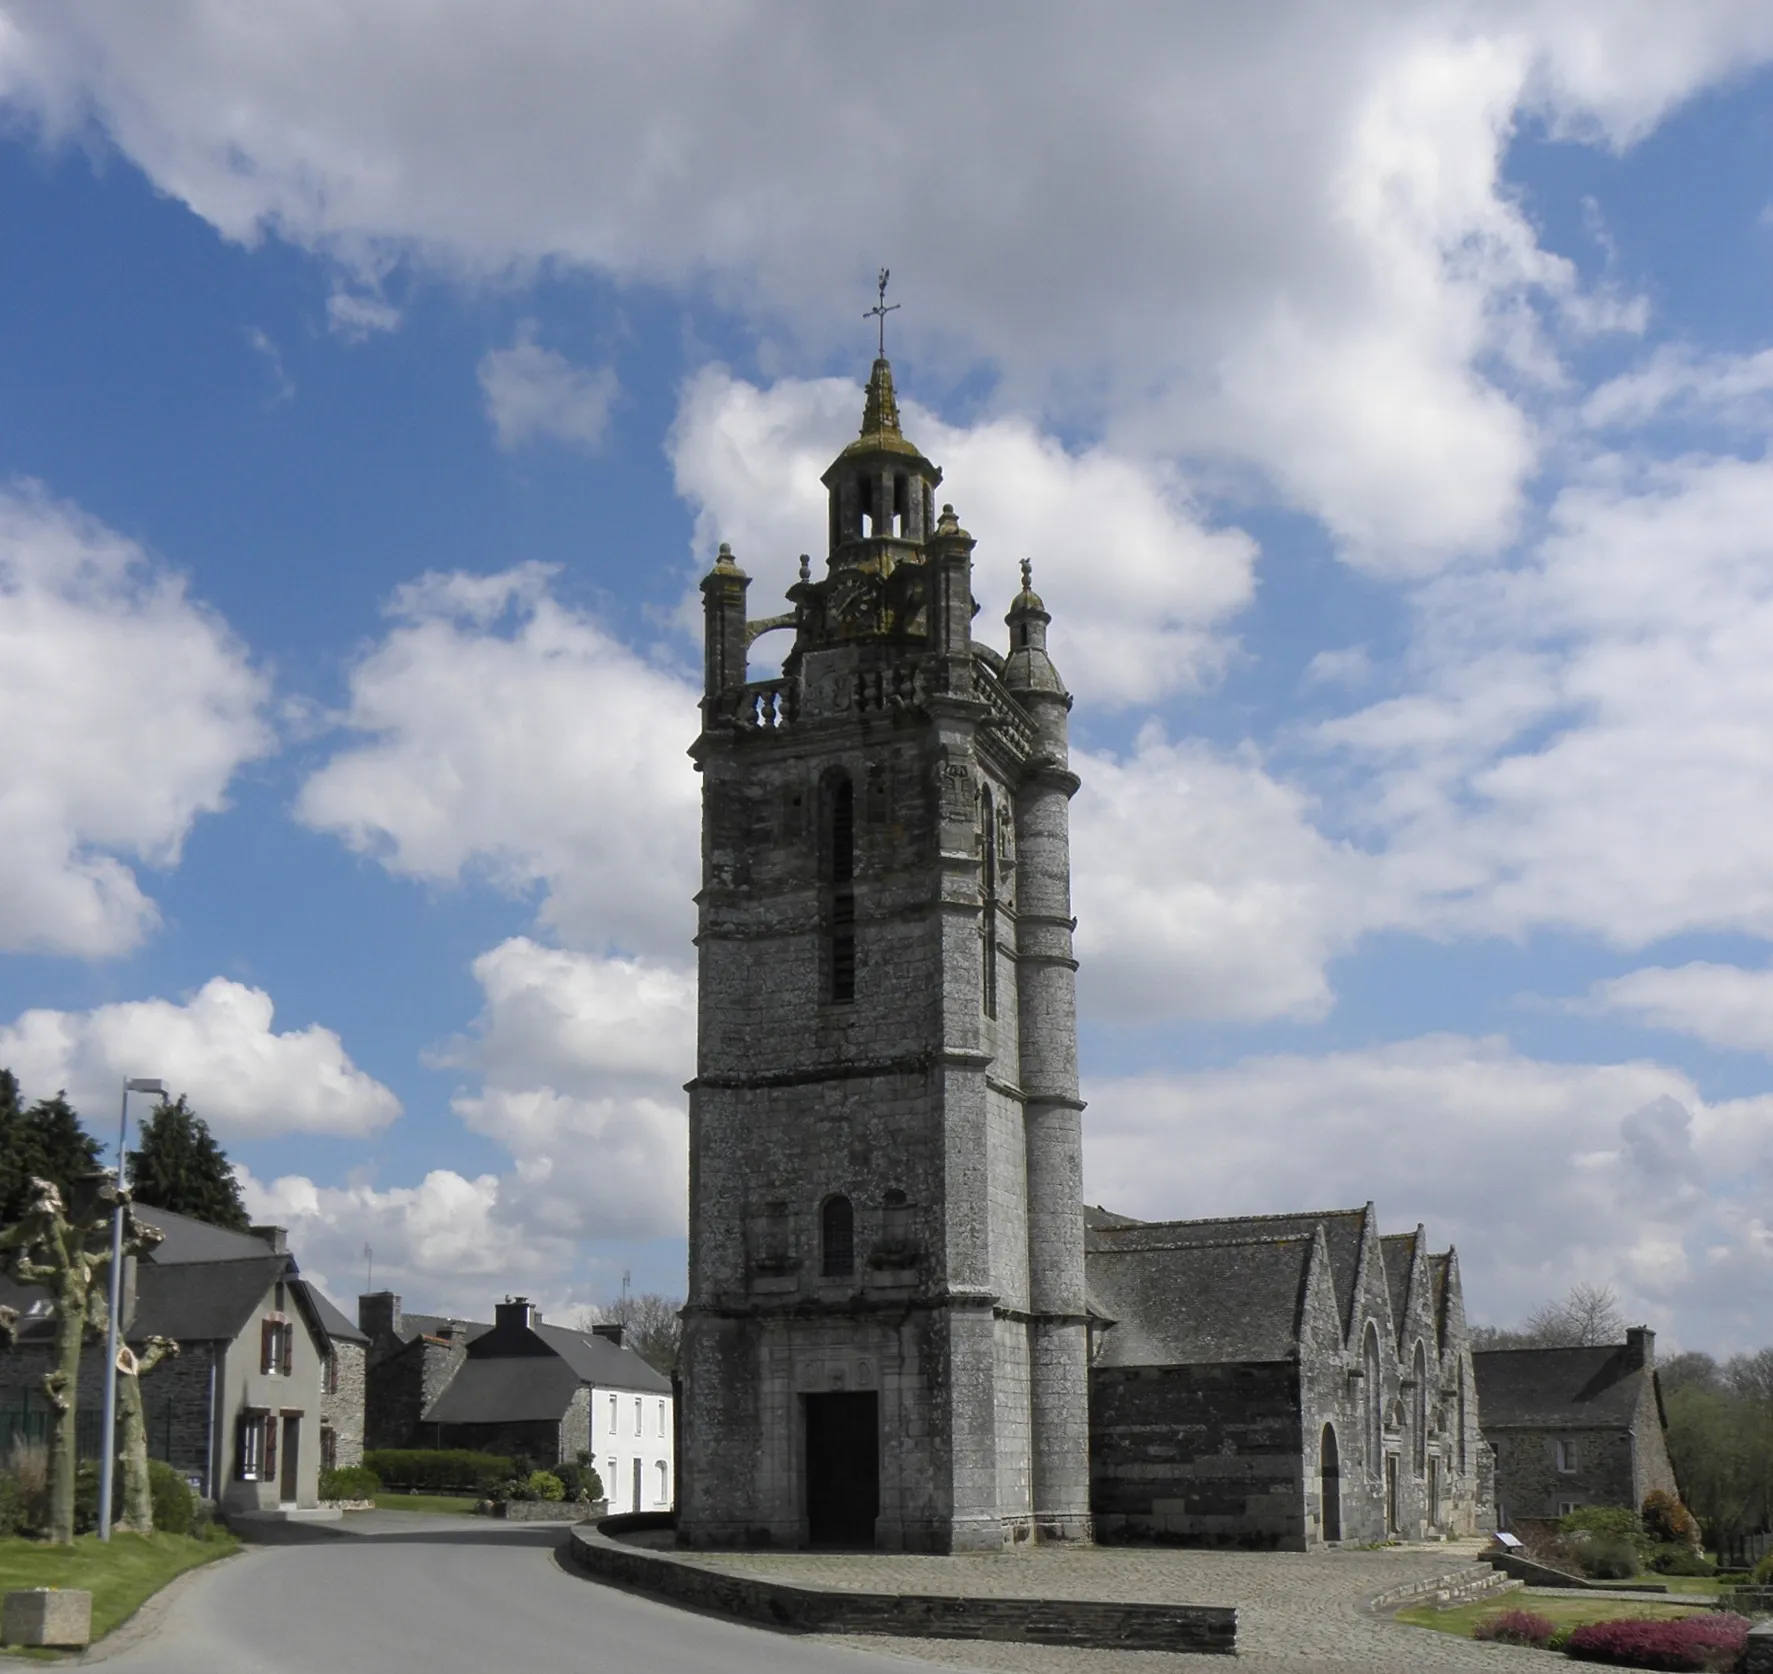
{"x":438,"y":1470}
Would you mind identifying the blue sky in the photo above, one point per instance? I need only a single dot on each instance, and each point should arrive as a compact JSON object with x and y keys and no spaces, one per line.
{"x":1383,"y":400}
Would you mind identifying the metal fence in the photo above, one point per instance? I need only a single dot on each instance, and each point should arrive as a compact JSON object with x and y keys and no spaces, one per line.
{"x":32,"y":1424}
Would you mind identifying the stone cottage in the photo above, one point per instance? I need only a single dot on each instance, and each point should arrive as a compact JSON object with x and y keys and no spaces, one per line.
{"x":1574,"y":1426}
{"x":342,"y":1382}
{"x":1278,"y":1380}
{"x":522,"y":1387}
{"x":240,"y":1410}
{"x":885,"y":1338}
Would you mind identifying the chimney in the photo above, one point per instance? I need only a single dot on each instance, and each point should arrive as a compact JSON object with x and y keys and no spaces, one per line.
{"x":612,"y":1331}
{"x":516,"y":1312}
{"x":378,"y":1315}
{"x":1640,"y":1348}
{"x":276,"y":1236}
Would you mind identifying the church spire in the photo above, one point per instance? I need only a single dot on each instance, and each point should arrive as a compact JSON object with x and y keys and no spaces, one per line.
{"x":880,"y":412}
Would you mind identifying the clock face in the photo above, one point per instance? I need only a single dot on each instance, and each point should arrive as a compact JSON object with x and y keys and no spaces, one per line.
{"x":852,"y":603}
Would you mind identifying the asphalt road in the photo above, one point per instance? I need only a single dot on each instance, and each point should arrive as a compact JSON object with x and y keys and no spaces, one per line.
{"x":443,"y":1596}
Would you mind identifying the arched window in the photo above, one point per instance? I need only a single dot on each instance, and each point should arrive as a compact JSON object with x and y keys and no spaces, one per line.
{"x":1329,"y":1480}
{"x":1375,"y":1383}
{"x":1419,"y":1411}
{"x":837,"y":1238}
{"x":988,"y":902}
{"x":664,"y":1484}
{"x":839,"y":835}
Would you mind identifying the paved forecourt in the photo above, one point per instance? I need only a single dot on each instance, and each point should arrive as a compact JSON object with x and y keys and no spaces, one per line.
{"x":1296,"y":1611}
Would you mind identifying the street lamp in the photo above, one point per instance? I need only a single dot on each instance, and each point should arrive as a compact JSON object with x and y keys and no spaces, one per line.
{"x":108,"y":1426}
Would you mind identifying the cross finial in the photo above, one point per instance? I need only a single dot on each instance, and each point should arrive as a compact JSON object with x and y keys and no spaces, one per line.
{"x":1027,"y":575}
{"x":882,"y":308}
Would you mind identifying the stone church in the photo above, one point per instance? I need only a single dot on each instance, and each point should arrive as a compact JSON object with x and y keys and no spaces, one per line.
{"x":885,"y":1335}
{"x":888,"y":1338}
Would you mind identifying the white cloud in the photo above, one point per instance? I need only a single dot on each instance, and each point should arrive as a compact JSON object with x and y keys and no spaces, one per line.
{"x":535,"y":394}
{"x":506,"y":733}
{"x":125,"y":709}
{"x":1582,"y":740}
{"x":1140,"y":588}
{"x":1202,"y":889}
{"x":1281,"y":237}
{"x":218,"y":1047}
{"x":577,"y":1064}
{"x":1723,"y":1005}
{"x":358,"y":314}
{"x":1540,"y":1173}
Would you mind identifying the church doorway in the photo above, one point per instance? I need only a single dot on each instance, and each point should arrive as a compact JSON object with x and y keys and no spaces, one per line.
{"x":842,"y":1469}
{"x":1329,"y":1484}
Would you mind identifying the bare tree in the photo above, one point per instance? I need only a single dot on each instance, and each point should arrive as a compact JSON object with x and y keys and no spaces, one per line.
{"x":1587,"y":1316}
{"x":650,"y":1323}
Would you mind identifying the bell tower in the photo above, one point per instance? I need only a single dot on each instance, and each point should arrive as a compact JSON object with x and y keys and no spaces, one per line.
{"x":884,"y":1341}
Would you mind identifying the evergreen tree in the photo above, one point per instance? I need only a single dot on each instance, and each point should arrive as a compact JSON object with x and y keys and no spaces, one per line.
{"x":45,"y":1142}
{"x":180,"y":1167}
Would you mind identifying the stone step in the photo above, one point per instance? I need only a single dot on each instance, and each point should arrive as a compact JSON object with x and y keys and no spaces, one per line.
{"x":1456,"y":1586}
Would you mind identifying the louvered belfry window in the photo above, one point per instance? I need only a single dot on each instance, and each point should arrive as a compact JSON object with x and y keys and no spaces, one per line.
{"x":837,"y":1238}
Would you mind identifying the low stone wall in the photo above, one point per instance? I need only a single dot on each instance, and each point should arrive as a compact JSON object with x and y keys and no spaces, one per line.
{"x":548,"y":1511}
{"x":1759,"y":1657}
{"x":811,"y":1609}
{"x":1543,"y":1575}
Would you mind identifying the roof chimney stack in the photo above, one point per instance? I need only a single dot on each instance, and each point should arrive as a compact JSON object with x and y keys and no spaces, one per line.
{"x":1640,"y":1347}
{"x":611,"y":1331}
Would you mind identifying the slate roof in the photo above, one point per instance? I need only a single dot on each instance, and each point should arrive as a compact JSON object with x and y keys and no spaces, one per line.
{"x":506,"y":1390}
{"x":1193,"y":1302}
{"x":1558,"y":1388}
{"x":597,"y":1360}
{"x":1343,"y":1233}
{"x":189,"y":1240}
{"x":431,"y":1325}
{"x":1399,"y":1251}
{"x":332,"y":1319}
{"x":203,"y":1301}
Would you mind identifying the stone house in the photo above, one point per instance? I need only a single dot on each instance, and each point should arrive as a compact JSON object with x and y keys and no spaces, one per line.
{"x":342,"y":1383}
{"x":522,"y":1387}
{"x":1278,"y":1381}
{"x":1574,"y":1426}
{"x":240,"y":1409}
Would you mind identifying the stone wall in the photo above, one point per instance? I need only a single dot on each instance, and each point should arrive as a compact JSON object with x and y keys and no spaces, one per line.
{"x":1209,"y":1455}
{"x":401,"y":1383}
{"x":1533,"y":1486}
{"x":808,"y":1609}
{"x":342,"y":1405}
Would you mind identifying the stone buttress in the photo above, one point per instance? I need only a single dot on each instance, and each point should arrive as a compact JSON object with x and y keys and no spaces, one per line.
{"x":884,"y":1342}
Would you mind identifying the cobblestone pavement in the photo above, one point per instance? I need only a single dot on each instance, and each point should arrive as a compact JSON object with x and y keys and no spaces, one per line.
{"x":1296,"y":1611}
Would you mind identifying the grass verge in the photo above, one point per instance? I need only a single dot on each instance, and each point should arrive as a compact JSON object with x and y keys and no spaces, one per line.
{"x":1561,"y":1609}
{"x":121,"y":1574}
{"x":435,"y":1503}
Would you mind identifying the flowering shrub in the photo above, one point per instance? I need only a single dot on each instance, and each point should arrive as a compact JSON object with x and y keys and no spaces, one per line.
{"x":1692,"y":1642}
{"x":1667,"y":1521}
{"x":1515,"y":1627}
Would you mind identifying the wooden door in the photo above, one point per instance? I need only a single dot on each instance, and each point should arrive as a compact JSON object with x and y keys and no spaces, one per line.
{"x":842,"y":1469}
{"x":292,"y":1439}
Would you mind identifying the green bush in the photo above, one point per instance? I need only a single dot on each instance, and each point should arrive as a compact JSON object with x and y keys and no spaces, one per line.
{"x":1613,"y":1523}
{"x":545,"y":1485}
{"x":580,"y":1481}
{"x":1763,"y":1574}
{"x":1680,"y":1559}
{"x":174,"y":1503}
{"x":438,"y":1470}
{"x":1608,"y":1560}
{"x":350,"y":1482}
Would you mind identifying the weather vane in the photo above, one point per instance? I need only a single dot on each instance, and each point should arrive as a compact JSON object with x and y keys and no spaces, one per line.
{"x":882,"y":308}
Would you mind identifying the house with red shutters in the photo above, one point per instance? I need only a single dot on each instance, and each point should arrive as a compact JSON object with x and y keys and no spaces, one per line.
{"x":248,"y":1410}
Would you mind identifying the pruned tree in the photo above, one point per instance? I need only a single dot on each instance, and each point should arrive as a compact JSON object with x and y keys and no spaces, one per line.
{"x":138,"y":1496}
{"x":64,"y":1247}
{"x":179,"y":1166}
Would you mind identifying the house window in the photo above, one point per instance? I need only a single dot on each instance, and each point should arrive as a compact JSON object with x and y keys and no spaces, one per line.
{"x":837,"y":1238}
{"x":276,"y":1346}
{"x":664,"y":1484}
{"x":1565,"y":1507}
{"x":611,"y":1482}
{"x":331,"y":1383}
{"x":255,"y":1450}
{"x":1566,"y":1456}
{"x":661,"y":1418}
{"x":637,"y":1429}
{"x":612,"y":1415}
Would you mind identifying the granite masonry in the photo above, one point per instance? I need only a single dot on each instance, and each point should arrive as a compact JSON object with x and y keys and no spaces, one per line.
{"x":1281,"y":1381}
{"x":885,"y":1336}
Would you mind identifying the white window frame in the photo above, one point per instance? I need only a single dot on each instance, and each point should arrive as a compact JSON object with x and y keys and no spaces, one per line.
{"x":1566,"y":1456}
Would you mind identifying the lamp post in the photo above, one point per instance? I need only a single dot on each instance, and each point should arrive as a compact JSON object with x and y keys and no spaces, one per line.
{"x":113,"y":1327}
